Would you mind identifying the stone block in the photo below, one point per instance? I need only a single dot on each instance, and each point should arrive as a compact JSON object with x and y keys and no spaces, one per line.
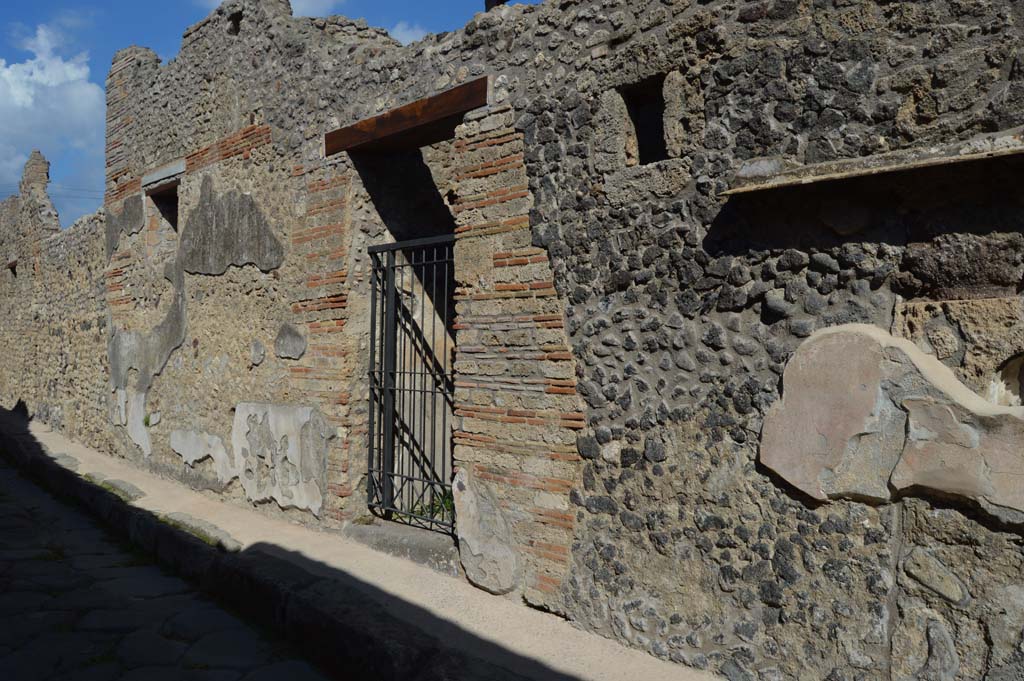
{"x":485,"y":536}
{"x":290,"y":343}
{"x":924,"y":567}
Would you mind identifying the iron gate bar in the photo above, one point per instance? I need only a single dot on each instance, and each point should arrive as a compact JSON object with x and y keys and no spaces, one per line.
{"x":410,"y":447}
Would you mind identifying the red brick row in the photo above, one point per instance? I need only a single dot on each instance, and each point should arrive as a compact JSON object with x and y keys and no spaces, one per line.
{"x":491,"y":139}
{"x":240,"y":143}
{"x":324,"y":185}
{"x":326,"y":279}
{"x":496,"y":167}
{"x":494,"y":198}
{"x":525,"y":480}
{"x":495,"y":226}
{"x":309,"y":234}
{"x":325,"y":207}
{"x":337,"y":302}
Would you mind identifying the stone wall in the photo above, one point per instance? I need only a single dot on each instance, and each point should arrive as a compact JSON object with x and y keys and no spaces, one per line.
{"x":54,"y":316}
{"x":623,"y":327}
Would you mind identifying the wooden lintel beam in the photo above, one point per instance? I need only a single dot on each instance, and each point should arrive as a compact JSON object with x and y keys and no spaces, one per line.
{"x":385,"y":130}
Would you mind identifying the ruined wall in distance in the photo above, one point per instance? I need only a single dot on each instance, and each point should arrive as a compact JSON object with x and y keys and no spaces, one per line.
{"x":54,"y":331}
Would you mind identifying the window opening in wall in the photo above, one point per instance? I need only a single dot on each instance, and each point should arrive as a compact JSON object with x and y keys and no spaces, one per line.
{"x":166,"y":202}
{"x":234,"y":23}
{"x":645,"y":103}
{"x":13,"y":267}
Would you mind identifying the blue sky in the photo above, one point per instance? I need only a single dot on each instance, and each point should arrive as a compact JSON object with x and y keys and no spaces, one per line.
{"x":54,"y":56}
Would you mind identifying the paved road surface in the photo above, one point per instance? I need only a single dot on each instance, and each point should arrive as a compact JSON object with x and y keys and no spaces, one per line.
{"x":76,"y":604}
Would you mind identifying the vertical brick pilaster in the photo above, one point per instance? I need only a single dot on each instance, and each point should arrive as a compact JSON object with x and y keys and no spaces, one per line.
{"x":320,"y":304}
{"x":516,"y":401}
{"x":123,"y":178}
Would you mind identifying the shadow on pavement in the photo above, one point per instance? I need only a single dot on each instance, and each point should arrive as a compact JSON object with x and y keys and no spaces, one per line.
{"x":350,"y":628}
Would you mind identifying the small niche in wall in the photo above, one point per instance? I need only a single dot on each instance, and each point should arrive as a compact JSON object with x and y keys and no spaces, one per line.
{"x":13,"y":267}
{"x":166,"y":202}
{"x":645,"y":106}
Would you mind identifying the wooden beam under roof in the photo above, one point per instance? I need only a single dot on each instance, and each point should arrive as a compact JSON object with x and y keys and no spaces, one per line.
{"x":419,"y":124}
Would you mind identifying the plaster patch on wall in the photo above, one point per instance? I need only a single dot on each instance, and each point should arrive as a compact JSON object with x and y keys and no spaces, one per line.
{"x":130,"y":220}
{"x":228,"y":229}
{"x":485,"y":537}
{"x":866,"y":416}
{"x":146,"y":354}
{"x":135,"y":421}
{"x":280,"y":454}
{"x":196,"y":446}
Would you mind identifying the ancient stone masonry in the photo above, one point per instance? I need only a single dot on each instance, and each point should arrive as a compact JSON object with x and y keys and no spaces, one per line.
{"x":738,"y":333}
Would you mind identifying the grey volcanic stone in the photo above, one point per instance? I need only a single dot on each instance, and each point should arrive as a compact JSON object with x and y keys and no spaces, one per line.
{"x":257,"y":353}
{"x":943,"y":662}
{"x":293,"y":671}
{"x":146,"y":647}
{"x":232,"y":648}
{"x":199,"y":621}
{"x":228,"y":230}
{"x":206,"y":531}
{"x":290,"y":343}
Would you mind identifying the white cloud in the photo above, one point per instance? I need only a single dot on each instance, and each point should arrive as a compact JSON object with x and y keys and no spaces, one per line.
{"x":406,"y":33}
{"x":315,"y":8}
{"x":48,"y":103}
{"x":300,"y":8}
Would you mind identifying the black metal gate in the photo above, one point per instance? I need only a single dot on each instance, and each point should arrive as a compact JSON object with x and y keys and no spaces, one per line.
{"x":411,"y":384}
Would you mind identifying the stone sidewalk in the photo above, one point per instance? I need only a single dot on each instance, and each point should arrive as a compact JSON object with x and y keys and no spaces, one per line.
{"x":76,"y":603}
{"x":355,"y":611}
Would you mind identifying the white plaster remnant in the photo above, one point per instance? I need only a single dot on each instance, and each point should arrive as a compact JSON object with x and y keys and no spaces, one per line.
{"x":196,"y":446}
{"x":485,"y":536}
{"x":280,"y":454}
{"x":136,"y":421}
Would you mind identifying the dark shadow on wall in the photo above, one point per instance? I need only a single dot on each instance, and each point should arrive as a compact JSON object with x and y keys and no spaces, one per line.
{"x":349,"y":628}
{"x":403,"y":191}
{"x":410,"y":204}
{"x":977,"y":197}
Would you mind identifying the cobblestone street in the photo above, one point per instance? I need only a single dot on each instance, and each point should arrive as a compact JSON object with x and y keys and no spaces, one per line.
{"x":77,"y":604}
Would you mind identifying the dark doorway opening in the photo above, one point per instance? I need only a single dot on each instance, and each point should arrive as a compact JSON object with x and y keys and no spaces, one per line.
{"x":412,"y":382}
{"x":405,"y":159}
{"x":411,"y":448}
